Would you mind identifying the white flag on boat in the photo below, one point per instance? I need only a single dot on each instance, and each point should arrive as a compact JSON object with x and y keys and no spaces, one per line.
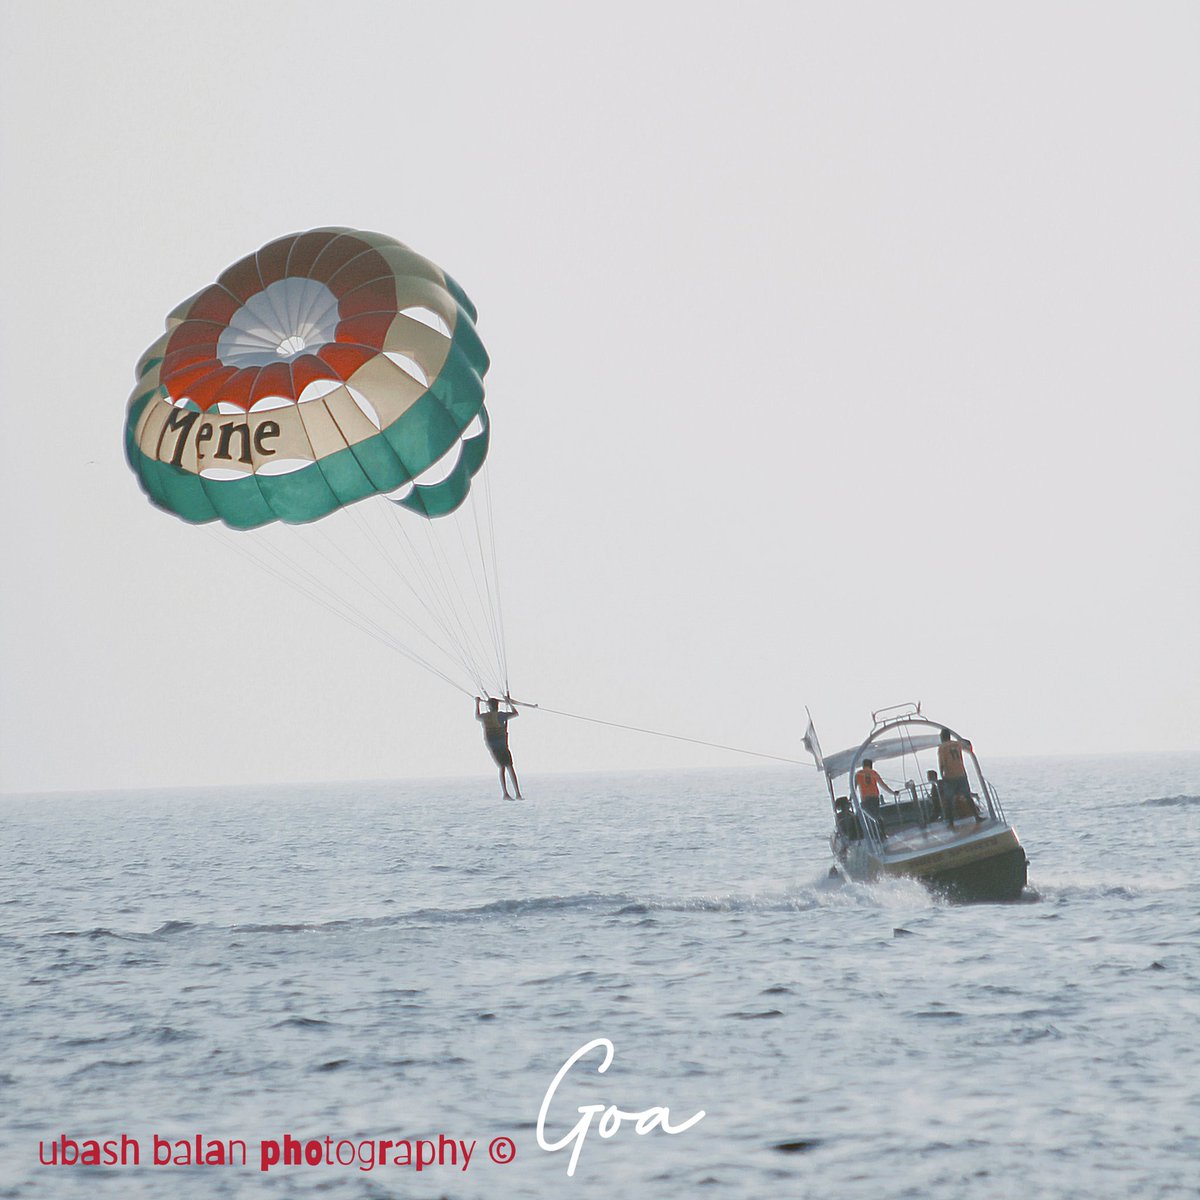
{"x":811,"y":744}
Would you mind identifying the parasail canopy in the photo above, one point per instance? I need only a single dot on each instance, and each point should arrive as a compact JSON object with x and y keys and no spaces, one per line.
{"x":323,"y":376}
{"x":328,"y":366}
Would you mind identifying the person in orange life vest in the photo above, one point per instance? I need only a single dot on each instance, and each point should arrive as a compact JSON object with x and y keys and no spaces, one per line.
{"x":868,"y":782}
{"x":956,"y":788}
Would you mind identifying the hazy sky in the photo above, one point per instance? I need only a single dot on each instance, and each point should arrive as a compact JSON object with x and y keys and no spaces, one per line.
{"x":843,"y":354}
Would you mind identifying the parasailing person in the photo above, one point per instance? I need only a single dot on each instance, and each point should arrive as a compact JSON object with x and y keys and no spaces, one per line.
{"x":321,"y":405}
{"x":495,"y":735}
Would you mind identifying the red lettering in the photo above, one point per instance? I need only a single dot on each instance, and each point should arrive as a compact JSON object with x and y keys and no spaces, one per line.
{"x":268,"y":1155}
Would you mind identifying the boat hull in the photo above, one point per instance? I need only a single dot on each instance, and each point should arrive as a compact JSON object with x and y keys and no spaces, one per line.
{"x":999,"y":877}
{"x":966,"y":864}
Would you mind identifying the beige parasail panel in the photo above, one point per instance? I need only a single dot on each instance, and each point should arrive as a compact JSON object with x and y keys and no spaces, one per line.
{"x":354,"y":424}
{"x":239,"y":442}
{"x":417,"y":286}
{"x":150,"y":427}
{"x":292,"y":441}
{"x":391,"y":390}
{"x":324,"y":436}
{"x":404,"y":261}
{"x":246,"y":441}
{"x":422,"y":344}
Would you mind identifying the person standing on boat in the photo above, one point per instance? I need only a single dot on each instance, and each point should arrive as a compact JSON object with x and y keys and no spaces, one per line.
{"x":868,"y":782}
{"x":935,"y":796}
{"x":954,"y":777}
{"x":495,"y":735}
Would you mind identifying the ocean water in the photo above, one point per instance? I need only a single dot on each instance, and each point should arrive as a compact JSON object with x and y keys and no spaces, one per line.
{"x":399,"y":961}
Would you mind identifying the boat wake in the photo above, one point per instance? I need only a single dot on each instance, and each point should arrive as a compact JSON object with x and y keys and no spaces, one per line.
{"x":1066,"y":888}
{"x":825,"y":891}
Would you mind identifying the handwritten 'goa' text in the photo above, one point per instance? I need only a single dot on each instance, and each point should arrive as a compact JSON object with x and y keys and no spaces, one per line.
{"x":656,"y":1116}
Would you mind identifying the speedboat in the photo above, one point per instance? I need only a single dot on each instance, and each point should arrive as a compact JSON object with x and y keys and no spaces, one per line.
{"x":944,"y":827}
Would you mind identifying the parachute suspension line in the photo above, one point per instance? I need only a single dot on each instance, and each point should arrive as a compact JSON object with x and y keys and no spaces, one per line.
{"x":448,"y":650}
{"x":450,"y":647}
{"x":483,"y":589}
{"x":673,"y":736}
{"x":446,"y":586}
{"x":481,"y":605}
{"x":433,"y":596}
{"x":491,"y":527}
{"x":409,"y":566}
{"x":340,"y":606}
{"x":445,"y":589}
{"x":330,"y":602}
{"x":452,"y":586}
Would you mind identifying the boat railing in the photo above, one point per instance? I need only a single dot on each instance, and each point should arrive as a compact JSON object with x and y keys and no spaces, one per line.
{"x":856,"y":824}
{"x":872,"y":829}
{"x":919,"y":802}
{"x":895,"y":712}
{"x":916,"y":804}
{"x":995,"y":808}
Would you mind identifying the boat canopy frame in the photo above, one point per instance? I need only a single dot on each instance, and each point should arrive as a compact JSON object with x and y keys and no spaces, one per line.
{"x":895,"y":719}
